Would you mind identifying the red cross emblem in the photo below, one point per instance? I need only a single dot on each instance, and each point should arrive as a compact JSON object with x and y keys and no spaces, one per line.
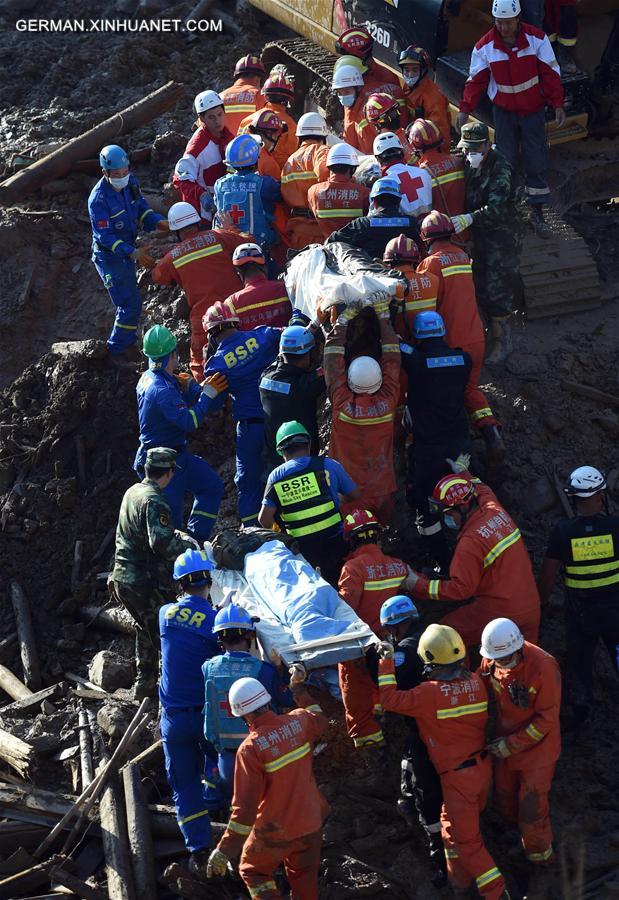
{"x":225,"y":708}
{"x":409,"y":186}
{"x":236,"y":213}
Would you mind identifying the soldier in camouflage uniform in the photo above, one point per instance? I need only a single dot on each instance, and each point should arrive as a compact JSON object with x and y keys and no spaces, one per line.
{"x":491,"y":198}
{"x":146,"y":547}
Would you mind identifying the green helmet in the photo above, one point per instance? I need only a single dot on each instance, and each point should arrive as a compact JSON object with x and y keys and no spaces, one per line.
{"x":289,"y":434}
{"x":158,"y":342}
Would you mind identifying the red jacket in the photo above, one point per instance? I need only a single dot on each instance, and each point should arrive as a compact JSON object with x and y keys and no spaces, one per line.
{"x":261,"y":302}
{"x":201,"y":165}
{"x":241,"y":99}
{"x":368,"y":578}
{"x":533,"y":731}
{"x":521,"y":79}
{"x":337,"y":201}
{"x":422,"y":296}
{"x":457,"y":302}
{"x":447,"y":171}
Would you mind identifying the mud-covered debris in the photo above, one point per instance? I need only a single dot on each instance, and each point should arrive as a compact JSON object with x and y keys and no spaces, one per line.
{"x":109,"y":671}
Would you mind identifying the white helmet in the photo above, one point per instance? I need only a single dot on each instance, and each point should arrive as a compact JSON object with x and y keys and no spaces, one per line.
{"x":345,"y":77}
{"x":247,"y":695}
{"x":501,"y":637}
{"x":206,"y":100}
{"x":182,"y":214}
{"x":585,"y":481}
{"x":505,"y":9}
{"x":312,"y":123}
{"x":386,"y":141}
{"x":364,"y":375}
{"x":342,"y":155}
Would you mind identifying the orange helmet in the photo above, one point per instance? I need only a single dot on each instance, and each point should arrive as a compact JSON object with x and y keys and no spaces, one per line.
{"x":355,"y":41}
{"x":279,"y":88}
{"x":266,"y":120}
{"x":362,"y":523}
{"x":379,"y":106}
{"x":250,"y":64}
{"x":401,"y":249}
{"x":218,"y":316}
{"x":453,"y":490}
{"x":436,"y":225}
{"x":423,"y":134}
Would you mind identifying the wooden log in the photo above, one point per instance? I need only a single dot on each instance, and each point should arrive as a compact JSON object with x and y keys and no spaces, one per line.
{"x":25,"y":633}
{"x":142,"y":757}
{"x":113,"y":618}
{"x":592,"y":393}
{"x":27,"y":880}
{"x":27,"y":704}
{"x":17,"y":753}
{"x":11,"y":685}
{"x":115,"y":842}
{"x":86,"y":767}
{"x":58,"y":163}
{"x":140,"y":836}
{"x":80,"y":888}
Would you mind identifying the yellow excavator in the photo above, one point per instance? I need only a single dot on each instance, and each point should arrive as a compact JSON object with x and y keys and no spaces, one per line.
{"x":559,"y":273}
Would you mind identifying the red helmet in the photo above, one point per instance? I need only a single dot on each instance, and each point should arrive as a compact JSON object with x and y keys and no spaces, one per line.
{"x":453,"y":490}
{"x":278,"y":87}
{"x":401,"y":249}
{"x":436,"y":225}
{"x":378,"y":107}
{"x":413,"y":55}
{"x":218,"y":316}
{"x":360,"y":521}
{"x":250,"y":64}
{"x":266,"y":120}
{"x":355,"y":42}
{"x":423,"y":134}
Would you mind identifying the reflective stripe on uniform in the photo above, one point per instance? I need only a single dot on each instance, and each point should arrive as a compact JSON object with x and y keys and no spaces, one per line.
{"x":540,"y":857}
{"x":194,"y":816}
{"x":198,"y":512}
{"x":464,"y":269}
{"x":314,"y":708}
{"x":433,"y":587}
{"x":468,"y":709}
{"x":596,"y":582}
{"x":144,"y":214}
{"x":126,"y":327}
{"x":113,"y":216}
{"x":449,"y":176}
{"x":261,"y":304}
{"x":249,"y":518}
{"x":386,"y":679}
{"x":378,"y":420}
{"x":264,"y":886}
{"x":533,"y":732}
{"x":303,"y":514}
{"x":197,"y":254}
{"x":487,"y":877}
{"x":412,"y":305}
{"x":333,"y":351}
{"x":518,"y":88}
{"x":391,"y":348}
{"x":376,"y":738}
{"x":288,"y":758}
{"x":383,"y":584}
{"x":240,"y":107}
{"x":499,"y":548}
{"x":451,"y":854}
{"x":115,"y":245}
{"x":194,"y":417}
{"x":238,"y":828}
{"x":481,"y":414}
{"x":338,"y":213}
{"x":298,"y":176}
{"x":312,"y":529}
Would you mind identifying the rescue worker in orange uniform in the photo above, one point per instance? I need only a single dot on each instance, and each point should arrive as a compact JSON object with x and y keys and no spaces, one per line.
{"x":348,"y":86}
{"x":201,"y":264}
{"x":261,"y":301}
{"x":277,"y":809}
{"x":527,"y":698}
{"x":451,"y":709}
{"x":278,"y":91}
{"x":243,"y":97}
{"x":364,"y":398}
{"x":446,"y":169}
{"x":368,"y":578}
{"x":339,"y":199}
{"x":490,"y":563}
{"x":403,"y":254}
{"x":425,"y":100}
{"x":382,"y":113}
{"x":304,"y":168}
{"x":457,"y":304}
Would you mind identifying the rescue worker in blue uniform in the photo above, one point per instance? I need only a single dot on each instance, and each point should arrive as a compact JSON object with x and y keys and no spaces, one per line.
{"x":117,"y":211}
{"x":242,"y":356}
{"x":187,"y":641}
{"x":235,"y":630}
{"x":245,"y":196}
{"x":169,"y":409}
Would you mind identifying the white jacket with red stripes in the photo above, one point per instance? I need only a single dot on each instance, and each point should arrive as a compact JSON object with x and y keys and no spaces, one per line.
{"x":521,"y":79}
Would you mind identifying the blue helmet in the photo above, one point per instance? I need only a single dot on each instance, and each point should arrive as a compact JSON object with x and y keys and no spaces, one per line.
{"x":242,"y":152}
{"x":113,"y":157}
{"x":193,"y":566}
{"x":296,"y":340}
{"x":428,"y":324}
{"x":386,"y":186}
{"x":233,"y":618}
{"x":397,"y":609}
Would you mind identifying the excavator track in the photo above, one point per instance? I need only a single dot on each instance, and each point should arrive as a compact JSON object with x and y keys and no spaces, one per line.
{"x":312,"y":66}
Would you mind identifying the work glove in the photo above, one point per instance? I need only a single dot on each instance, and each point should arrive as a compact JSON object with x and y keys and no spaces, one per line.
{"x":275,"y":658}
{"x":379,"y":301}
{"x":519,"y":694}
{"x":185,"y":380}
{"x":460,"y":464}
{"x":297,"y":674}
{"x":162,"y":225}
{"x":214,"y":385}
{"x":411,"y":580}
{"x":217,"y":865}
{"x":499,"y":748}
{"x":142,"y":257}
{"x":385,"y":650}
{"x":461,"y":223}
{"x":350,"y":313}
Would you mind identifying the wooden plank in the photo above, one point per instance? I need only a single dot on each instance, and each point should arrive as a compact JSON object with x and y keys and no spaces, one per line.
{"x":79,"y":887}
{"x":27,"y":704}
{"x":25,"y":634}
{"x":140,"y":835}
{"x":115,"y":843}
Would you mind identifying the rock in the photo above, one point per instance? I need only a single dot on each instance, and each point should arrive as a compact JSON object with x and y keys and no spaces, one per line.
{"x":527,"y":364}
{"x":538,"y":497}
{"x":114,"y":719}
{"x":89,"y":349}
{"x":109,"y":671}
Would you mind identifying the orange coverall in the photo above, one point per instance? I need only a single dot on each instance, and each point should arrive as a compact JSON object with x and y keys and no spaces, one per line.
{"x":447,"y":171}
{"x":457,"y":304}
{"x":366,"y":132}
{"x":202,"y":265}
{"x":427,"y":101}
{"x":277,"y":810}
{"x":492,"y":565}
{"x":261,"y":301}
{"x":354,"y":115}
{"x":452,"y":718}
{"x":241,"y":99}
{"x":368,"y":578}
{"x":422,"y":296}
{"x":304,"y":168}
{"x":288,"y":142}
{"x":362,"y":426}
{"x":336,"y":201}
{"x":528,"y":702}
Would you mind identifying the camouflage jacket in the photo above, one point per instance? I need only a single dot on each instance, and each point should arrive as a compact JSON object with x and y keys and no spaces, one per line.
{"x":490,"y":195}
{"x":146,"y":542}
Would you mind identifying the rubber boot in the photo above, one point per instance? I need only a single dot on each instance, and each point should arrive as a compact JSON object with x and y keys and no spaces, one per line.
{"x":538,"y":223}
{"x":502,"y":346}
{"x":197,"y":863}
{"x":566,"y":61}
{"x":438,"y":865}
{"x":495,"y":448}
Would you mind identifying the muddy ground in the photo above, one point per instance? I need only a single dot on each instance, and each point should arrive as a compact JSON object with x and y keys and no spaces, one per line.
{"x":52,"y":404}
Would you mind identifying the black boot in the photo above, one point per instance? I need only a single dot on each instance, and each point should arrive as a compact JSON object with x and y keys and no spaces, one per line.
{"x":438,"y":866}
{"x":538,"y":223}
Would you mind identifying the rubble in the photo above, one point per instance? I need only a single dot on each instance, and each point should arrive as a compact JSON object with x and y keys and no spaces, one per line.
{"x":109,"y":671}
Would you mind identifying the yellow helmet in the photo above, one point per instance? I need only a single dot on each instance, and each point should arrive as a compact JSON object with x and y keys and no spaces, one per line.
{"x":353,"y":61}
{"x":441,"y":645}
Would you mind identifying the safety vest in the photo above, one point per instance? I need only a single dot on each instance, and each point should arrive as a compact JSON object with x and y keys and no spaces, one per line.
{"x":306,"y":505}
{"x":221,"y":728}
{"x":241,"y":196}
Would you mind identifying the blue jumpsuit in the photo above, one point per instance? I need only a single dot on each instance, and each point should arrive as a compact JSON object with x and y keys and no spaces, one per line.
{"x":224,"y":731}
{"x":250,"y":199}
{"x":167,"y":415}
{"x":115,"y":217}
{"x":187,"y":641}
{"x":242,"y":357}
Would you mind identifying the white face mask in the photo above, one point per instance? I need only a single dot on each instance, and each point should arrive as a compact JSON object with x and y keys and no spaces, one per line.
{"x":346,"y":99}
{"x":119,"y":183}
{"x":474,"y":159}
{"x":410,"y":80}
